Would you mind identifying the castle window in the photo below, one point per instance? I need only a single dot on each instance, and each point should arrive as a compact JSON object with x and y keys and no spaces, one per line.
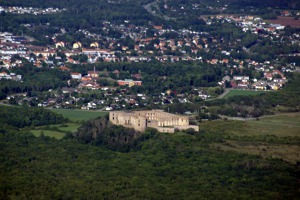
{"x":139,"y":124}
{"x":113,"y":118}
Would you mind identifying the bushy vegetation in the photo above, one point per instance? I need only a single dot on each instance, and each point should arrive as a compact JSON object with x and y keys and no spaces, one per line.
{"x":167,"y":166}
{"x":101,"y":132}
{"x":19,"y":117}
{"x":34,"y":80}
{"x":104,"y":161}
{"x":224,"y":160}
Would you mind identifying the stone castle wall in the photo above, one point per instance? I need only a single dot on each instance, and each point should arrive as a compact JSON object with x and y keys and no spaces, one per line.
{"x":140,"y":120}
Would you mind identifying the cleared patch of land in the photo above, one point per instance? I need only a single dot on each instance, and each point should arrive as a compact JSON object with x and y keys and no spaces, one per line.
{"x":54,"y":134}
{"x":286,"y":21}
{"x":269,"y":137}
{"x":79,"y":115}
{"x":232,"y":93}
{"x":57,"y":131}
{"x":281,"y":125}
{"x":289,"y":153}
{"x":71,"y":127}
{"x":68,"y":127}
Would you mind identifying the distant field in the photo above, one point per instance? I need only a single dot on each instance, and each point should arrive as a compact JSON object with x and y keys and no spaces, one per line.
{"x":61,"y":127}
{"x":243,"y":92}
{"x":284,"y":127}
{"x":54,"y":134}
{"x":289,"y":153}
{"x":286,"y":21}
{"x":72,"y":127}
{"x":281,"y":125}
{"x":57,"y":131}
{"x":79,"y":115}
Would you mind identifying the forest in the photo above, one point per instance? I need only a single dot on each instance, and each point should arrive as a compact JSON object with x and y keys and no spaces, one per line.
{"x":104,"y":161}
{"x":34,"y":80}
{"x":157,"y":166}
{"x":101,"y":132}
{"x":27,"y":116}
{"x":256,"y":157}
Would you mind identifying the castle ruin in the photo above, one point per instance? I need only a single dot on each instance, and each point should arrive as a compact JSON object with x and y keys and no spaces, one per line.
{"x":158,"y":119}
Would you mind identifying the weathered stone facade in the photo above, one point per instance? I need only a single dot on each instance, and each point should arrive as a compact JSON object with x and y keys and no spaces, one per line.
{"x":158,"y":119}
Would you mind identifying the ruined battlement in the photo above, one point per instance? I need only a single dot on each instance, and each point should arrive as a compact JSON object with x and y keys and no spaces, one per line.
{"x":140,"y":120}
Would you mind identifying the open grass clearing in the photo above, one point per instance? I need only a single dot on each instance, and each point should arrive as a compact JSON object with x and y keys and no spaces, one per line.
{"x":280,"y":125}
{"x":67,"y":127}
{"x":53,"y":134}
{"x":57,"y":131}
{"x":72,"y":127}
{"x":288,"y":153}
{"x":79,"y":115}
{"x":270,"y":137}
{"x":232,"y":93}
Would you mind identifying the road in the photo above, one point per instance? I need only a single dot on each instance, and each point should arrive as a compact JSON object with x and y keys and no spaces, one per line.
{"x":154,"y":4}
{"x":226,"y":91}
{"x":261,"y":117}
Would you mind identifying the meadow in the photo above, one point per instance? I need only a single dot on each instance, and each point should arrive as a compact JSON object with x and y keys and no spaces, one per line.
{"x":283,"y":125}
{"x":76,"y":117}
{"x":57,"y":131}
{"x":52,"y":134}
{"x":269,"y":137}
{"x":243,"y":92}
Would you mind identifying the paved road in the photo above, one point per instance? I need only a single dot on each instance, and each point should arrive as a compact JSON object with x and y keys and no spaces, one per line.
{"x":154,"y":4}
{"x":261,"y":117}
{"x":226,"y":91}
{"x":5,"y":104}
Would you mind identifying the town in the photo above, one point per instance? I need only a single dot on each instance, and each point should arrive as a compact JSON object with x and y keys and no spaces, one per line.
{"x":150,"y":99}
{"x":165,"y":45}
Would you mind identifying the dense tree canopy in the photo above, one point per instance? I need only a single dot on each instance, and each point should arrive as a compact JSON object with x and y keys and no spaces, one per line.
{"x":165,"y":166}
{"x":24,"y":116}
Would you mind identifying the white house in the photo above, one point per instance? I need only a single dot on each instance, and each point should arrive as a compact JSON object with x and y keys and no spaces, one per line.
{"x":76,"y":75}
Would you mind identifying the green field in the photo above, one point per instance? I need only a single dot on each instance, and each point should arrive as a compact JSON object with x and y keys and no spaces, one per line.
{"x":61,"y":127}
{"x":54,"y":134}
{"x":68,"y":127}
{"x":269,"y":137}
{"x":280,"y":125}
{"x":79,"y":115}
{"x":288,"y":153}
{"x":243,"y":92}
{"x":57,"y":131}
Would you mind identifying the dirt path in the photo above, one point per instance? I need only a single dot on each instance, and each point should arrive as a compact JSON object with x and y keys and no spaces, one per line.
{"x":154,"y":4}
{"x":281,"y":114}
{"x":261,"y":117}
{"x":227,"y":90}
